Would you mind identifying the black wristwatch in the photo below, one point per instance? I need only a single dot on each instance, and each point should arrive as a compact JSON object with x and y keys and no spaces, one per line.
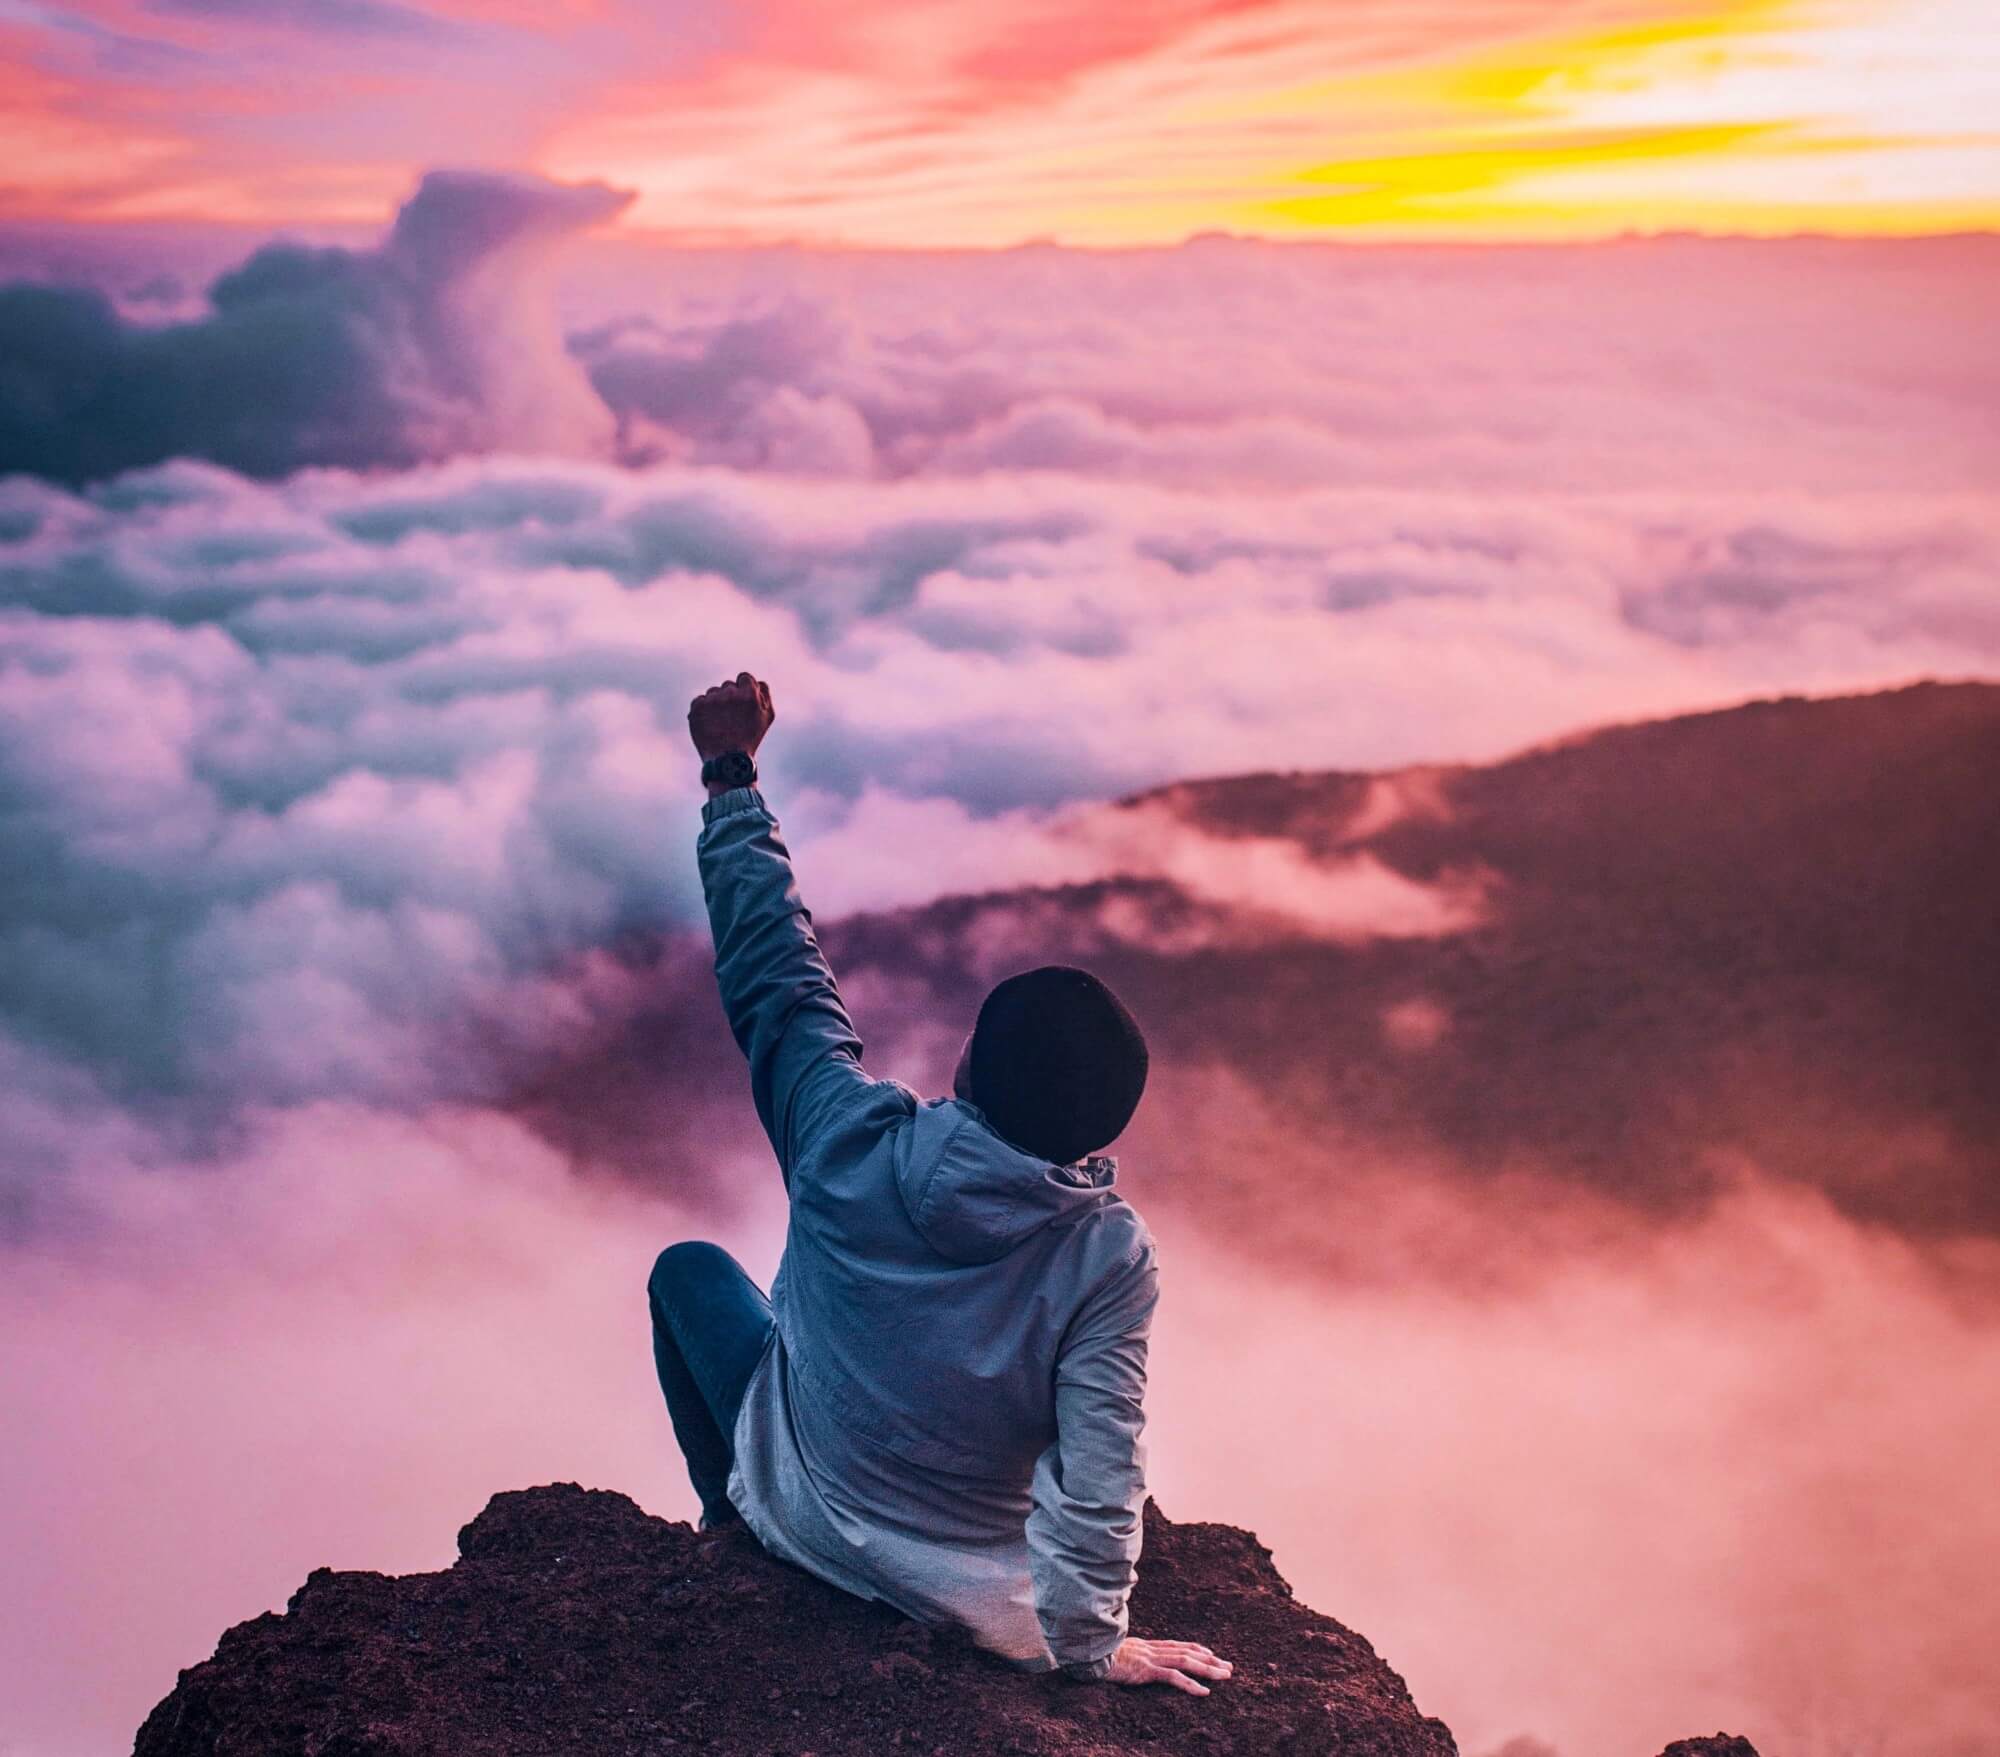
{"x":733,"y":768}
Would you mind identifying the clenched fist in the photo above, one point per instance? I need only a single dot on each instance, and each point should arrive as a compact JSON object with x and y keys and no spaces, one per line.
{"x":731,"y":716}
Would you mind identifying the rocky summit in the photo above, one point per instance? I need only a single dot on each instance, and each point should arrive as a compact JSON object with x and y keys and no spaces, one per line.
{"x":575,"y":1625}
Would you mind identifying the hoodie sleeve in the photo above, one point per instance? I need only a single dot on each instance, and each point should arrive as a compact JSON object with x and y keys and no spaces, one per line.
{"x":1085,"y":1526}
{"x":777,"y":989}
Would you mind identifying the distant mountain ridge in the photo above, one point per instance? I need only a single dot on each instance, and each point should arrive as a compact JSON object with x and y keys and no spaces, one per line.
{"x":1769,"y":932}
{"x":1762,"y":937}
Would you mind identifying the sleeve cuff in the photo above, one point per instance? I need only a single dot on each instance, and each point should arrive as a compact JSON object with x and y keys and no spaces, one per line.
{"x":729,"y":803}
{"x":1089,"y":1671}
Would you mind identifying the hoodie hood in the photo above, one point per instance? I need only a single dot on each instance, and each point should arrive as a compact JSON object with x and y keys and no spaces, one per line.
{"x":974,"y":1195}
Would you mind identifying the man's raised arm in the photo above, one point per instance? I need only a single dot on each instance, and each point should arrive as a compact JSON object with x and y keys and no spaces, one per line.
{"x":776,"y":986}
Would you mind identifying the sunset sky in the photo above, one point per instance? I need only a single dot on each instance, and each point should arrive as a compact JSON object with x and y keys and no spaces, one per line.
{"x":370,"y":509}
{"x":926,"y":122}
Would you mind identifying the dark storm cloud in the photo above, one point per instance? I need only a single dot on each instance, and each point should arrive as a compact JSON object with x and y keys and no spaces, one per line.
{"x":359,"y":358}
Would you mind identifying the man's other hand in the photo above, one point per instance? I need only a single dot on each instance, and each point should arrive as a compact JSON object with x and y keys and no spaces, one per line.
{"x":1179,"y":1663}
{"x":731,"y":716}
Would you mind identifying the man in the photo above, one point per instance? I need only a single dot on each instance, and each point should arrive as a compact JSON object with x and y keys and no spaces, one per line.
{"x":940,"y":1405}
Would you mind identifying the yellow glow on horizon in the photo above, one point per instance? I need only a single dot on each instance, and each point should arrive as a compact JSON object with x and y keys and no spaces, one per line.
{"x":1382,"y":188}
{"x":1745,"y":115}
{"x":1766,"y":116}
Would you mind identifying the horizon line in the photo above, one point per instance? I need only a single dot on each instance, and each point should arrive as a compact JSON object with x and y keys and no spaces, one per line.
{"x":699,"y":242}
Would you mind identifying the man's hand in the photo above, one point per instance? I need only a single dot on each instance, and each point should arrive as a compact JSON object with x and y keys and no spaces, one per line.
{"x":1178,"y":1663}
{"x":731,"y":716}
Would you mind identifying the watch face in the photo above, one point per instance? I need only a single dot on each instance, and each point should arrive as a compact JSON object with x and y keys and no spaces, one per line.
{"x":735,"y":768}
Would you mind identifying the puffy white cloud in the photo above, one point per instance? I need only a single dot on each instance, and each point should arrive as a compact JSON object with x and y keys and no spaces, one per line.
{"x":1671,"y":363}
{"x":439,"y":341}
{"x":297,"y":777}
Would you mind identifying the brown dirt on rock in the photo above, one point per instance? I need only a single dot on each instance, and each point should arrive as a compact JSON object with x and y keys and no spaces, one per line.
{"x":575,"y":1623}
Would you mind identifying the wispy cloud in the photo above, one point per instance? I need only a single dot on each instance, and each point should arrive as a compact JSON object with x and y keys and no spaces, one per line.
{"x":335,"y":18}
{"x":920,"y":123}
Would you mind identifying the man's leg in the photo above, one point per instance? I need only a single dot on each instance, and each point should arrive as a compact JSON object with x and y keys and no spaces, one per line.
{"x":710,"y":1325}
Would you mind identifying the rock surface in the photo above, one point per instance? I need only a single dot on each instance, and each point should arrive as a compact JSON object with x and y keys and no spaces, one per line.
{"x":1714,"y":1745}
{"x":575,"y":1624}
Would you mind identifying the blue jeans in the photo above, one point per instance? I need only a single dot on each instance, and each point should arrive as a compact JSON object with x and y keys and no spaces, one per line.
{"x":710,"y":1325}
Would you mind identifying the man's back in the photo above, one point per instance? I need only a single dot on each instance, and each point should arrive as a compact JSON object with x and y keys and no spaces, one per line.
{"x":931,"y":1274}
{"x":949,"y":1417}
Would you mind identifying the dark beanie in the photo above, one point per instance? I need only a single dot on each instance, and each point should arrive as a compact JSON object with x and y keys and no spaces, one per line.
{"x":1057,"y":1062}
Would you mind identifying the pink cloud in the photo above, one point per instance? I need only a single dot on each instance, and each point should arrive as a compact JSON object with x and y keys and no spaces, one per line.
{"x":1729,"y":1472}
{"x":367,"y":751}
{"x":1731,"y":1476}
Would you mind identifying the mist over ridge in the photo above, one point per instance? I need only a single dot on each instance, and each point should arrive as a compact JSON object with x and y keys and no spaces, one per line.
{"x":1672,"y":967}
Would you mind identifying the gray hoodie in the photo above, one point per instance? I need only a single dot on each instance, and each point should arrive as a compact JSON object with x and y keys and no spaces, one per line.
{"x":949,"y":1415}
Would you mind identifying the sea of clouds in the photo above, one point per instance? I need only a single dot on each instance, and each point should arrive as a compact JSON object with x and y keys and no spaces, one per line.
{"x":348,"y":620}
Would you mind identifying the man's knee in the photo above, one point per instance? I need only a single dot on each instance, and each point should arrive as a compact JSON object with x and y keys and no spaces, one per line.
{"x":679,"y":1263}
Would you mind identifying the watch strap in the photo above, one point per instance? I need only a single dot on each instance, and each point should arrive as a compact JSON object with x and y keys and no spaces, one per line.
{"x":733,"y":768}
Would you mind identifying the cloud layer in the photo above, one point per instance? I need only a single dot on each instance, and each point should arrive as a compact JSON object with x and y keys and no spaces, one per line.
{"x":1677,"y":364}
{"x":1671,"y":364}
{"x":349,"y":935}
{"x":300,"y":779}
